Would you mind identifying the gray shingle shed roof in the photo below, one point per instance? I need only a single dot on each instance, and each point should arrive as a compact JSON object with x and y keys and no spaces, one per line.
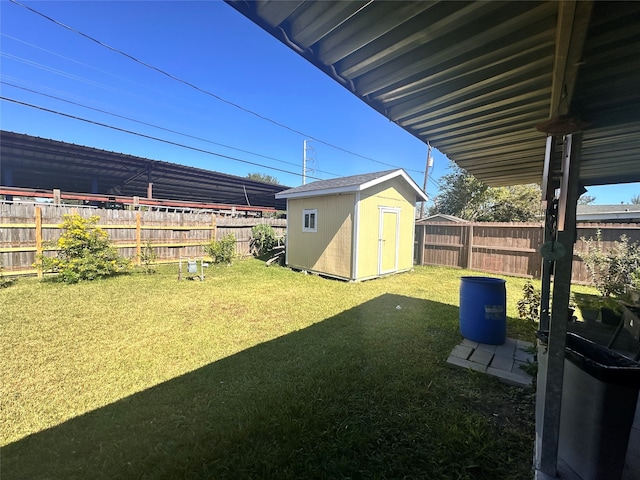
{"x":354,"y":183}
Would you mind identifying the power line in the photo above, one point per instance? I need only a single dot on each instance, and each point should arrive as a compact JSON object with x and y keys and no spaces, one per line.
{"x":81,"y":79}
{"x":199,"y":89}
{"x":62,"y":73}
{"x":69,"y":59}
{"x":156,"y":126}
{"x":150,"y":137}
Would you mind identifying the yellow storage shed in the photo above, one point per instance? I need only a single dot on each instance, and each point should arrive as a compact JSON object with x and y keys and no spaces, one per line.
{"x":353,"y":228}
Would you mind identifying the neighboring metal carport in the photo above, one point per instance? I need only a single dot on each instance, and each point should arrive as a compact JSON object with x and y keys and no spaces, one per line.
{"x":473,"y":79}
{"x":40,"y":163}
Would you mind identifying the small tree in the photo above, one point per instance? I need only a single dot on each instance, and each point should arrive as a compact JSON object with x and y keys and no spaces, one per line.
{"x":529,"y":304}
{"x":263,"y":238}
{"x":517,"y":203}
{"x":611,"y":270}
{"x":461,"y":194}
{"x":464,"y":196}
{"x":84,"y":252}
{"x":147,"y":258}
{"x":222,"y":251}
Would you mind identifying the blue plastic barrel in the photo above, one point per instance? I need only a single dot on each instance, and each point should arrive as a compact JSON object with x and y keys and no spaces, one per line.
{"x":483,"y":316}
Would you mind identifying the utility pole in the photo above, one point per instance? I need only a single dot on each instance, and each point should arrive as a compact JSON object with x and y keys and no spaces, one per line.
{"x":304,"y":161}
{"x":426,"y":176}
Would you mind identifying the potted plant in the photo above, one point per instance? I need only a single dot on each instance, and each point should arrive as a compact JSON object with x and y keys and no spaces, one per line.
{"x":589,"y":306}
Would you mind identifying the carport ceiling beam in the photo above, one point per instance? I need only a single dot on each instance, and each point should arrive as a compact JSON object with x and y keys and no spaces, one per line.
{"x":573,"y":22}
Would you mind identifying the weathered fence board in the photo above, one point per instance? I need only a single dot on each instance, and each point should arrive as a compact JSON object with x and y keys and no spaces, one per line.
{"x":505,"y":248}
{"x":26,"y":229}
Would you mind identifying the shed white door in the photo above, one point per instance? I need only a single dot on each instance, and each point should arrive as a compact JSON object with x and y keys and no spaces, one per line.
{"x":388,"y":240}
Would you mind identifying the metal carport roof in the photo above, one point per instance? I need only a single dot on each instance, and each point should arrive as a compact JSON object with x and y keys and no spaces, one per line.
{"x":47,"y":164}
{"x":474,"y":78}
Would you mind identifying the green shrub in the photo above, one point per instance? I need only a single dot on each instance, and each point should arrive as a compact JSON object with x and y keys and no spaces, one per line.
{"x":222,"y":251}
{"x":84,"y":252}
{"x":635,"y":279}
{"x":147,"y":258}
{"x":529,"y":304}
{"x":611,"y":270}
{"x":263,"y":239}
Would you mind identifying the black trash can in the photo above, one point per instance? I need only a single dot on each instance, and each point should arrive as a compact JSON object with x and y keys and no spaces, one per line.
{"x":599,"y":398}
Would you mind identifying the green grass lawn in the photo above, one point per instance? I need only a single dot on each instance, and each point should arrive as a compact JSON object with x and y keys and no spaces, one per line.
{"x":254,"y":373}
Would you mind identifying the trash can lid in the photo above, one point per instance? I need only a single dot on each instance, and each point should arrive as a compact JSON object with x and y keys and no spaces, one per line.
{"x":602,"y":363}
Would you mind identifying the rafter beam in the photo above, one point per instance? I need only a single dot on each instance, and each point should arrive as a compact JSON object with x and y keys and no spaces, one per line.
{"x":573,"y":22}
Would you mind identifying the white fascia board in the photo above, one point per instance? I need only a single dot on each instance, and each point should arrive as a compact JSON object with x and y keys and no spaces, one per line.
{"x":389,"y":176}
{"x":317,"y":193}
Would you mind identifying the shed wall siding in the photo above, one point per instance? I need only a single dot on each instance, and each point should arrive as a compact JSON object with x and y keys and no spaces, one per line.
{"x":328,"y":250}
{"x":395,"y":194}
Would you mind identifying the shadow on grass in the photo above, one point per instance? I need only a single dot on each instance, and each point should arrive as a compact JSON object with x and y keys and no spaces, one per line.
{"x":364,"y":394}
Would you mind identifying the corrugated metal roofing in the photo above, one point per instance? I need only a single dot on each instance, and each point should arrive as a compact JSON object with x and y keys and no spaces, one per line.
{"x":474,"y":78}
{"x":42,"y":163}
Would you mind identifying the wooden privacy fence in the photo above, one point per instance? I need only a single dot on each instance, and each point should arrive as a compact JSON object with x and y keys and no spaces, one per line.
{"x":505,"y":248}
{"x":26,"y":230}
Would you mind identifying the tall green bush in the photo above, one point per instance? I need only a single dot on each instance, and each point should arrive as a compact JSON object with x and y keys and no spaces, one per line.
{"x":84,"y":252}
{"x":263,"y":239}
{"x":222,"y":251}
{"x":611,"y":270}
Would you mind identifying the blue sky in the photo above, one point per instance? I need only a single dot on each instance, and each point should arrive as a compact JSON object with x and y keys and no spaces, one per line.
{"x":211,"y":46}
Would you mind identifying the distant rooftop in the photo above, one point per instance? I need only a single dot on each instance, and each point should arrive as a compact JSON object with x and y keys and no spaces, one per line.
{"x":626,"y":212}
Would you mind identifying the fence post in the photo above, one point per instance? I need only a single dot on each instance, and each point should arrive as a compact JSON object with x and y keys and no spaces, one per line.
{"x":469,"y":246}
{"x":215,"y":228}
{"x":422,"y":230}
{"x":138,"y":238}
{"x":38,"y":212}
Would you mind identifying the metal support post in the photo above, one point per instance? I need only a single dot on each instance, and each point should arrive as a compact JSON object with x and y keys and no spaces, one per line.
{"x":547,"y":461}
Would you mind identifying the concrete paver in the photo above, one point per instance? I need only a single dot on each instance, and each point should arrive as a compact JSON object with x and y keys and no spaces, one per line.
{"x":469,"y":343}
{"x":462,"y":351}
{"x":501,"y":361}
{"x":523,"y":355}
{"x":517,"y":366}
{"x":466,"y":364}
{"x":507,"y":349}
{"x":487,"y":348}
{"x":481,"y":356}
